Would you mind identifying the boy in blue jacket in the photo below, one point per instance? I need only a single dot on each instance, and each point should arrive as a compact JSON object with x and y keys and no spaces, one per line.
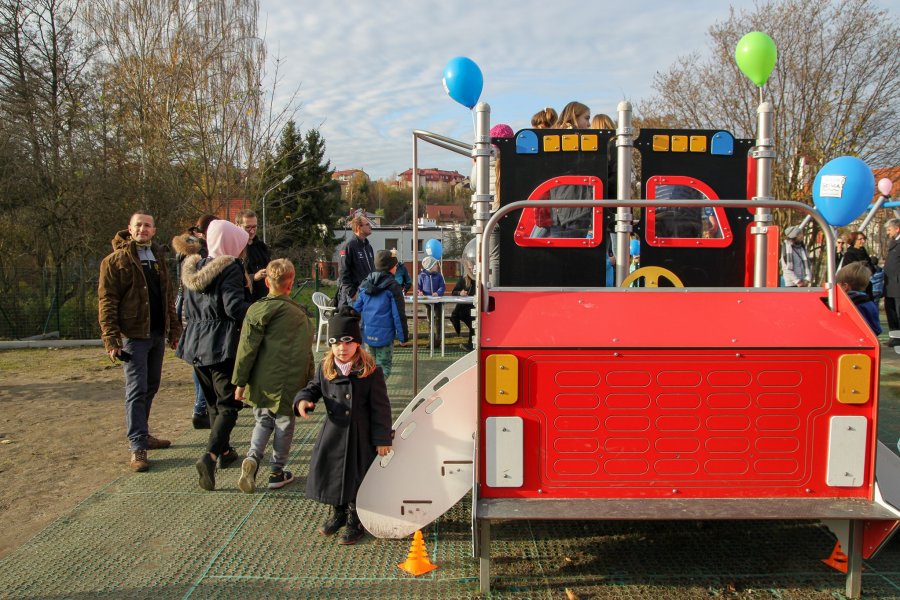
{"x":383,"y":310}
{"x":853,"y":279}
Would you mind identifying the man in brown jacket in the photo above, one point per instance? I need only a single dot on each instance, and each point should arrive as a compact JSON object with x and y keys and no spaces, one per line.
{"x":137,"y":314}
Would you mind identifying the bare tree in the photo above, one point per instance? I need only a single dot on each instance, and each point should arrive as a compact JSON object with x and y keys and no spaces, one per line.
{"x":835,"y":88}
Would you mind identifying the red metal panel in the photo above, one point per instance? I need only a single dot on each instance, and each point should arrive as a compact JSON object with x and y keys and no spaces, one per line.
{"x":695,"y":424}
{"x":688,"y":318}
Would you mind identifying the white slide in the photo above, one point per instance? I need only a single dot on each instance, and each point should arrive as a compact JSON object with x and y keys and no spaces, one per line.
{"x":431,"y":466}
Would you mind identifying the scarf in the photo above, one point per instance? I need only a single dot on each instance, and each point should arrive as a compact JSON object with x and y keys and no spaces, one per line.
{"x":343,"y":367}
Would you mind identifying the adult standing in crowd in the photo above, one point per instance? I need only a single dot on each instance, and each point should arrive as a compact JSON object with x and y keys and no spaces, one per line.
{"x":795,"y":259}
{"x":137,"y":315}
{"x":257,"y":255}
{"x":357,"y":260}
{"x":892,"y":280}
{"x":215,"y":302}
{"x":840,"y":246}
{"x":857,"y":252}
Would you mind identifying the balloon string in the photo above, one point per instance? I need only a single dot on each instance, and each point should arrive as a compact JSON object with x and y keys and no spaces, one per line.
{"x":474,"y":128}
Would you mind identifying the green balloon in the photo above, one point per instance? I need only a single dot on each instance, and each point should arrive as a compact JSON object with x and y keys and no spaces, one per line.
{"x":756,"y":55}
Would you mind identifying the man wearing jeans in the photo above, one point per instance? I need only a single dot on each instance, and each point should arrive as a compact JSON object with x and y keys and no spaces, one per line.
{"x":137,"y":315}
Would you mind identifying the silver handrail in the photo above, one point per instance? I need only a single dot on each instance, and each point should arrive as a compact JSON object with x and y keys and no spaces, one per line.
{"x":780,"y":204}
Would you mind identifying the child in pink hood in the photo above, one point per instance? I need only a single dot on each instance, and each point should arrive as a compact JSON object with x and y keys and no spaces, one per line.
{"x":215,"y":301}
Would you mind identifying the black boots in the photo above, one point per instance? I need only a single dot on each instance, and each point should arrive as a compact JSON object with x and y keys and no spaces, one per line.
{"x":338,"y":519}
{"x":354,"y":531}
{"x":200,"y":420}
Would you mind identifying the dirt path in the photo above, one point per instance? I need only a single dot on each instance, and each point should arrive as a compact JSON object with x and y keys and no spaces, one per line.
{"x":62,"y":431}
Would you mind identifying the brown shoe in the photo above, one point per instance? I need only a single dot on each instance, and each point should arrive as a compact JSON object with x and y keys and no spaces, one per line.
{"x":139,"y":462}
{"x":154,"y":443}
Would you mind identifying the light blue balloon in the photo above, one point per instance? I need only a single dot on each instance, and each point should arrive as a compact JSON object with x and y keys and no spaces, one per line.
{"x":635,"y":248}
{"x":843,"y":189}
{"x":463,"y":80}
{"x":434,"y":249}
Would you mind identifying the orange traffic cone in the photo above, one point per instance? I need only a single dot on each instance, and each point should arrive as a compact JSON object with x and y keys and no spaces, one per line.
{"x":417,"y":562}
{"x":837,"y":560}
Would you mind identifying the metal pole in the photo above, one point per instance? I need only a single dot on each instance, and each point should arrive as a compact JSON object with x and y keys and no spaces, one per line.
{"x":764,"y":153}
{"x":875,"y":208}
{"x":624,"y":216}
{"x":415,"y":261}
{"x":287,"y":179}
{"x":481,"y":199}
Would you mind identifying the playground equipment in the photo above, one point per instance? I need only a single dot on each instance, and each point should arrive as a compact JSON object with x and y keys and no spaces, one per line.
{"x":709,"y":394}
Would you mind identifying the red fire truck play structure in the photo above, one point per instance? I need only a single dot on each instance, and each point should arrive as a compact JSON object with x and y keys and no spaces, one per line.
{"x":709,"y":393}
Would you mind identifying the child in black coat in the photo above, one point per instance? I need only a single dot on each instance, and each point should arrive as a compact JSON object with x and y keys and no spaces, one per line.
{"x":357,"y":426}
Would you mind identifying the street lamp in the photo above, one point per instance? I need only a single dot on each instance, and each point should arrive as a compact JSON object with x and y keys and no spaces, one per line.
{"x":288,"y":178}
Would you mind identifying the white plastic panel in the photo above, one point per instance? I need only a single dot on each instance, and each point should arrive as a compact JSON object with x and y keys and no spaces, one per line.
{"x":504,"y":451}
{"x":847,"y":451}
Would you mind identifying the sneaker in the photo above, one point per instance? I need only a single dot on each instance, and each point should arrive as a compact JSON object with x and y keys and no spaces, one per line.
{"x":139,"y":462}
{"x":200,"y":420}
{"x":154,"y":443}
{"x":206,"y":467}
{"x":247,"y":482}
{"x":229,"y":457}
{"x":280,"y":479}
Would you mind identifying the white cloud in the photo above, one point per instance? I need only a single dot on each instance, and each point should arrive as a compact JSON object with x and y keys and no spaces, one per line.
{"x":370,"y":71}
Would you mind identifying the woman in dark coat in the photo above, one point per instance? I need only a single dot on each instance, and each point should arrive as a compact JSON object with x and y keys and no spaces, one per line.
{"x":856,"y":252}
{"x":357,"y":426}
{"x":215,"y":301}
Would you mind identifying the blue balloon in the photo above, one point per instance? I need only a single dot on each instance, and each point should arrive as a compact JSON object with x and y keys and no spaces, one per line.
{"x":843,"y":189}
{"x":635,"y":248}
{"x":463,"y":80}
{"x":434,"y":249}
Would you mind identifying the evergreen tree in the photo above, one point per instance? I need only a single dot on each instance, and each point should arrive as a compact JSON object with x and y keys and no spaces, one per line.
{"x":302,"y":213}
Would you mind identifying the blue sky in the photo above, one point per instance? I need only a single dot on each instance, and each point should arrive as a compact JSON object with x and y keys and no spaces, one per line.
{"x":369,"y":71}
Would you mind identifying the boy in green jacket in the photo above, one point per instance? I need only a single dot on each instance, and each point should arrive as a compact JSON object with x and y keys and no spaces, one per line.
{"x":274,"y":362}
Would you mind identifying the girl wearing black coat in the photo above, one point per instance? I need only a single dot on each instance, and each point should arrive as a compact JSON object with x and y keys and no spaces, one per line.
{"x":357,"y":425}
{"x":215,"y":302}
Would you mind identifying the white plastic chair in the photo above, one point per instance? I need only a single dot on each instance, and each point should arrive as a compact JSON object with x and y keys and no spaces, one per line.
{"x":323,"y":303}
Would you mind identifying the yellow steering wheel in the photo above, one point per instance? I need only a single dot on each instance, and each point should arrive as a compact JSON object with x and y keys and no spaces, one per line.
{"x":652,"y":276}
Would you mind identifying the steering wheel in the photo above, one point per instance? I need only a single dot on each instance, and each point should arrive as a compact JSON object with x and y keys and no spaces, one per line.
{"x":652,"y":276}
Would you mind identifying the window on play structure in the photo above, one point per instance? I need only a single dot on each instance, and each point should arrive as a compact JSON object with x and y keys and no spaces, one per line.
{"x":683,"y":226}
{"x":569,"y":227}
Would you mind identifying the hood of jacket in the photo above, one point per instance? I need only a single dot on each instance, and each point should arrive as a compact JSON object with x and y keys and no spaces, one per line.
{"x":376,"y":282}
{"x":186,"y":244}
{"x":120,"y":240}
{"x":224,"y":238}
{"x":198,"y":277}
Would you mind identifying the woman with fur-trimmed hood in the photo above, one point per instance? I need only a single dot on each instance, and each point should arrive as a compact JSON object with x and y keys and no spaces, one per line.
{"x":215,"y":301}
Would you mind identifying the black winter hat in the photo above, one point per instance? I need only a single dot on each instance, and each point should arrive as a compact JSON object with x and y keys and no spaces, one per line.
{"x":343,"y":325}
{"x":384,"y":260}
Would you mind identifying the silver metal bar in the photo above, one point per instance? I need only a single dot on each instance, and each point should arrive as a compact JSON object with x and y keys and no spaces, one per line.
{"x":444,"y":141}
{"x":624,"y":216}
{"x":484,"y":557}
{"x":765,"y":156}
{"x":769,"y":204}
{"x":453,"y":145}
{"x":676,"y":509}
{"x":871,"y":215}
{"x":854,"y":559}
{"x":415,"y":261}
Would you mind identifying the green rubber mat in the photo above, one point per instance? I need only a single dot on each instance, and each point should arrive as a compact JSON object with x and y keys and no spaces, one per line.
{"x":157,"y":535}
